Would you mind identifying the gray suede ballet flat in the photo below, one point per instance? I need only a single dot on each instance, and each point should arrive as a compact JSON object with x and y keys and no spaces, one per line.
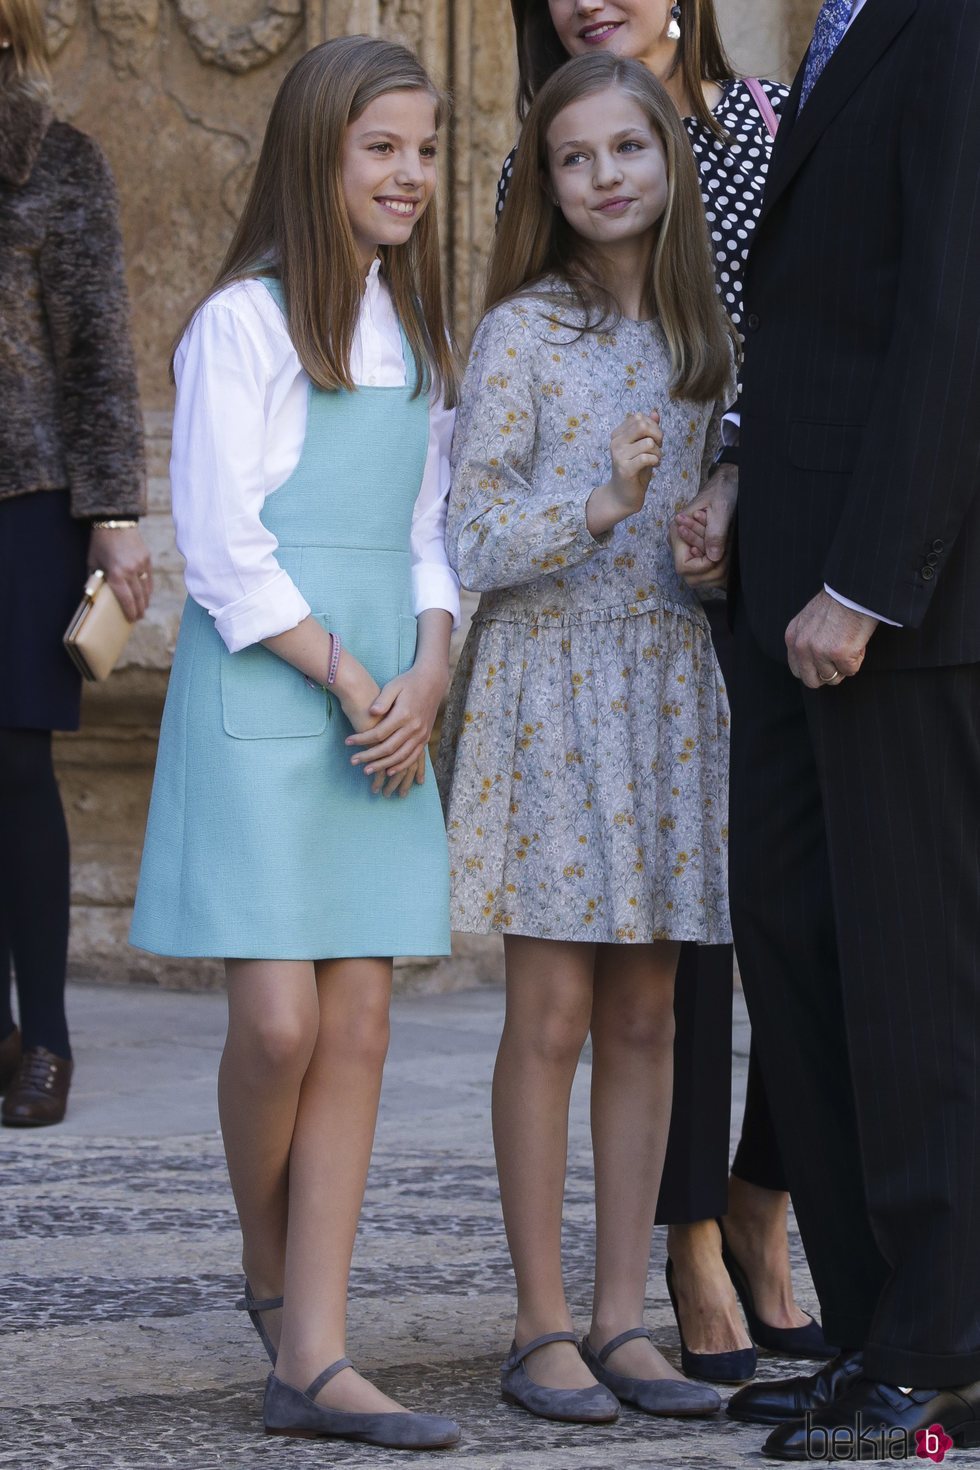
{"x":255,"y":1309}
{"x":288,"y":1410}
{"x":664,"y":1396}
{"x":566,"y":1405}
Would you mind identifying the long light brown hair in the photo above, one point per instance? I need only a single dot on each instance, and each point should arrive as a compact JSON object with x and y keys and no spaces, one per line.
{"x":535,"y":241}
{"x":26,"y":62}
{"x":295,"y":222}
{"x":701,"y":54}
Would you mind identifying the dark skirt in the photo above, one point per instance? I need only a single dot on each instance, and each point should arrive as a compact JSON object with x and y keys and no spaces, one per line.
{"x":43,"y":553}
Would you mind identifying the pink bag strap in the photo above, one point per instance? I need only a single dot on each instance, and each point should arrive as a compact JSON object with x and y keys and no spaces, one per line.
{"x":762,"y":102}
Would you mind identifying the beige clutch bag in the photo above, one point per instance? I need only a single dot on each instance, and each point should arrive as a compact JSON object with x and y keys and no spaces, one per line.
{"x":97,"y":634}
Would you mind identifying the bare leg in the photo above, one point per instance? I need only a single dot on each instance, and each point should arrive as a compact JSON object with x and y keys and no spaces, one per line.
{"x":711,"y":1319}
{"x":632,"y":1082}
{"x":328,"y":1165}
{"x":273,"y":1016}
{"x":549,"y":1002}
{"x":756,"y":1229}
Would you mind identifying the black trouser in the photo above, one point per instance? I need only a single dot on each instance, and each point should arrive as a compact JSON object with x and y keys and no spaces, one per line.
{"x":34,"y":890}
{"x":695,"y":1178}
{"x":855,"y":879}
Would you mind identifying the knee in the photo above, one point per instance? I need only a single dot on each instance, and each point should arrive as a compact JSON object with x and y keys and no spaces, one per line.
{"x":556,"y":1035}
{"x":360,"y":1035}
{"x":281,"y":1043}
{"x":641,"y":1025}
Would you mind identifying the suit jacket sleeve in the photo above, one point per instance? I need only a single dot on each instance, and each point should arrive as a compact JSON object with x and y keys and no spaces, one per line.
{"x":919,"y":464}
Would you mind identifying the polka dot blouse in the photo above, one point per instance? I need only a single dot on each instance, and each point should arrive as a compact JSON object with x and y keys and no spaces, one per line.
{"x":733,"y":177}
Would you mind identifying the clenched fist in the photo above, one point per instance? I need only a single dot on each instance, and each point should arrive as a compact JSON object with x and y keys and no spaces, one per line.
{"x":826,"y":642}
{"x":635,"y":447}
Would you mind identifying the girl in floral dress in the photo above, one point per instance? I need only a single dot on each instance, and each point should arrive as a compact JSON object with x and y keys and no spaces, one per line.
{"x":584,"y":756}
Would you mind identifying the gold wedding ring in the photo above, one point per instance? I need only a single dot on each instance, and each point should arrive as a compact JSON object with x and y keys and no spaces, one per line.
{"x":833,"y":678}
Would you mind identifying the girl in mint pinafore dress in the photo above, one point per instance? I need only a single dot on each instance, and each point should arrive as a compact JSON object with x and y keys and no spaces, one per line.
{"x":294,"y":827}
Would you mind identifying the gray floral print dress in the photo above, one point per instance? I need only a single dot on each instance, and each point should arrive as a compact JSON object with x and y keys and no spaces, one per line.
{"x":584,"y":755}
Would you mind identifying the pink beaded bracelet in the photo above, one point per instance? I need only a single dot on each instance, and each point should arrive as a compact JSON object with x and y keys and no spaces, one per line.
{"x":332,"y":667}
{"x":334,"y":659}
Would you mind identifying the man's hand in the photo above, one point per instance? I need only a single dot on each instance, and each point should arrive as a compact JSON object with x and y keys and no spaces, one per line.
{"x":700,"y":534}
{"x":827,"y":642}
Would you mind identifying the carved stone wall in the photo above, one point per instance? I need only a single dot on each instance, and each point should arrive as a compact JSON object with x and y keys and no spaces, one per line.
{"x":177,"y":92}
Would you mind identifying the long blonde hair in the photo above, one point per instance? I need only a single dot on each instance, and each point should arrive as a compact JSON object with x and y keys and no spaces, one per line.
{"x":535,"y":241}
{"x":27,"y":61}
{"x":295,"y":222}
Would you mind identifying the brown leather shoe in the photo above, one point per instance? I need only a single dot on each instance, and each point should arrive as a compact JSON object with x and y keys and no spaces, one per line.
{"x":38,"y":1094}
{"x":9,"y":1059}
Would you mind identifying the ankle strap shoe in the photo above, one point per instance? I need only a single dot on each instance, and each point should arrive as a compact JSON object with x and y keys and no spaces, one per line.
{"x":293,"y":1411}
{"x":596,"y":1405}
{"x":666,"y":1397}
{"x":255,"y":1309}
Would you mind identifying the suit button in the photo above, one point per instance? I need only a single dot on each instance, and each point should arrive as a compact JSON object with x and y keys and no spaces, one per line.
{"x":939,"y":546}
{"x":752,"y":322}
{"x":931,"y":559}
{"x":928,"y":573}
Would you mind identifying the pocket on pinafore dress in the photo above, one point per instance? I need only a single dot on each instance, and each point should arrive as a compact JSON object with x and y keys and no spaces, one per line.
{"x":265,"y":698}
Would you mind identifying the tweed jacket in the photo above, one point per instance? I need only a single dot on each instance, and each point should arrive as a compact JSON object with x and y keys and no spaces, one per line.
{"x":69,"y":404}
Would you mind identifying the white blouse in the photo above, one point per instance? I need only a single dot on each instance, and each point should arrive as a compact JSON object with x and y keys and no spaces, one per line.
{"x":239,"y":426}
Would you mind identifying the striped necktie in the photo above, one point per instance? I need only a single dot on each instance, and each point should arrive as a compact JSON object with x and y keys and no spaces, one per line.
{"x":832,"y":22}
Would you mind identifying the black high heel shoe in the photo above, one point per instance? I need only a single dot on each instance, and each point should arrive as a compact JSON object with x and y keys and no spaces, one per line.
{"x":735,"y":1367}
{"x":807,"y":1341}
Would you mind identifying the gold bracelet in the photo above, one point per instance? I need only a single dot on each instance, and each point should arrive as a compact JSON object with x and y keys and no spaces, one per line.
{"x":114,"y":525}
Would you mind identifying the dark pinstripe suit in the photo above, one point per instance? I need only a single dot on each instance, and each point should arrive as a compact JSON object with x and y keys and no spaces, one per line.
{"x":855,"y":848}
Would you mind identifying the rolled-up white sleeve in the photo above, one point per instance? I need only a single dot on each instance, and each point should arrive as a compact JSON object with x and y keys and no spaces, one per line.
{"x":217,"y":479}
{"x":434,"y":583}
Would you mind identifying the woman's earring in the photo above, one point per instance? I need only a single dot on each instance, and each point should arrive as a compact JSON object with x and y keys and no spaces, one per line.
{"x":5,"y":45}
{"x":674,"y":29}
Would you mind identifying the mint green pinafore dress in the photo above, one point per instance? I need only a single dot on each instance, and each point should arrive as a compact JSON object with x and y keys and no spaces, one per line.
{"x":262,"y":841}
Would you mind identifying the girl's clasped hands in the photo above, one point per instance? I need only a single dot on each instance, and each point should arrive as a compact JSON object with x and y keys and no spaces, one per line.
{"x":395,"y":729}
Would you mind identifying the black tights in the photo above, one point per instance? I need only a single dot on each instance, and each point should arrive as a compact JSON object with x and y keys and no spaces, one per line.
{"x":34,"y":890}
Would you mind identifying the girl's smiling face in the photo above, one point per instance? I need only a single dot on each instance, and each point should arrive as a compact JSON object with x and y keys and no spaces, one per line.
{"x":634,"y":28}
{"x":608,"y":168}
{"x":388,"y":168}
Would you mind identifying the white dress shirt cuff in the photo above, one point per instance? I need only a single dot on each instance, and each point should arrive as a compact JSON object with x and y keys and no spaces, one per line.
{"x":272,"y":609}
{"x":856,"y":607}
{"x":731,"y":426}
{"x":435,"y":585}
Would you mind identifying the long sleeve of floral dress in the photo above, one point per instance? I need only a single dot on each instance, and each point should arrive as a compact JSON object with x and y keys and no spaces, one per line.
{"x":508,"y":523}
{"x":713,"y":438}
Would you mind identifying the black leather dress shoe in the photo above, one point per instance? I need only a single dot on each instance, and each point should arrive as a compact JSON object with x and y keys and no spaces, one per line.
{"x":874,"y":1421}
{"x":787,"y":1400}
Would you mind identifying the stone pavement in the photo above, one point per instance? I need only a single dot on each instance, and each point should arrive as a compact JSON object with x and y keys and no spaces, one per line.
{"x":122,"y":1348}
